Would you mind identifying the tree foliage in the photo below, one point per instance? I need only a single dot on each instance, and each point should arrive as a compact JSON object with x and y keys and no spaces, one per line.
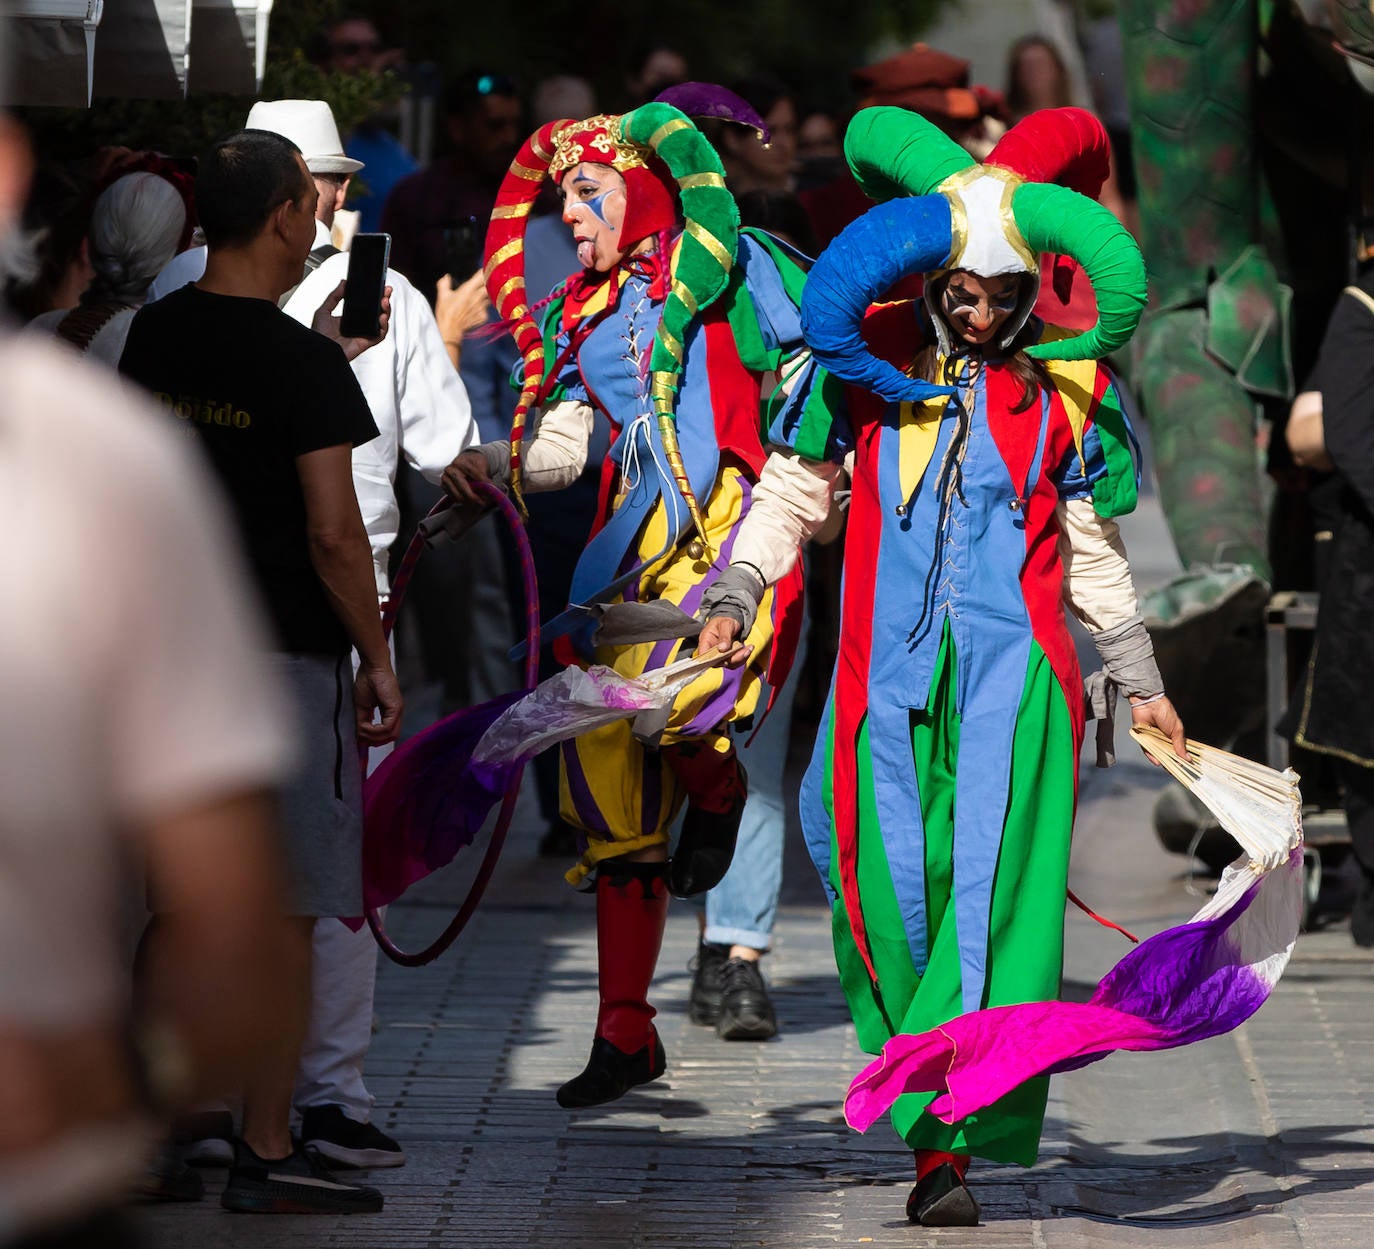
{"x":187,"y":127}
{"x":810,"y":44}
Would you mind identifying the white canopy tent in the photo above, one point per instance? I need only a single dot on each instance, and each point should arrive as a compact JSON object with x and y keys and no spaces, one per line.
{"x":67,"y":52}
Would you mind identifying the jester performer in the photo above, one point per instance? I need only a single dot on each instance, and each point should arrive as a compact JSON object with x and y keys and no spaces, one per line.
{"x":685,"y":331}
{"x":991,"y":454}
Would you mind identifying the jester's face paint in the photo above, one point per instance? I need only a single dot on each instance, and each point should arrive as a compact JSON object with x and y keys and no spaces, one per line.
{"x":976,"y":307}
{"x":594,"y":207}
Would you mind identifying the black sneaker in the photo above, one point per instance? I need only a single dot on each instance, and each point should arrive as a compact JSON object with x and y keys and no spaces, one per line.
{"x":703,"y":1003}
{"x":298,"y":1184}
{"x":746,"y":1010}
{"x":346,"y":1142}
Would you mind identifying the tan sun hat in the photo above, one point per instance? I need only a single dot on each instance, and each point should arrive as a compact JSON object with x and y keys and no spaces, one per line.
{"x":309,"y":124}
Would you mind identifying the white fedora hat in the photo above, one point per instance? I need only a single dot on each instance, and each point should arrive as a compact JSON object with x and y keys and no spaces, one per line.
{"x":309,"y":124}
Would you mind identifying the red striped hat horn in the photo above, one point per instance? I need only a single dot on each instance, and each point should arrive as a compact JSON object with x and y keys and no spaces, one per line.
{"x":504,"y":265}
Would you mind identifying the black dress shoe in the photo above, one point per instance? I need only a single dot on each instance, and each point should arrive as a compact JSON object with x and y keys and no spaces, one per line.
{"x":942,"y":1199}
{"x":611,"y":1073}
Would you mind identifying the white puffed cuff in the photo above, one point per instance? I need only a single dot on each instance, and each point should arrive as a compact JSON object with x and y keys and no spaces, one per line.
{"x":1098,"y":589}
{"x":555,"y":454}
{"x":558,"y":452}
{"x":789,"y":506}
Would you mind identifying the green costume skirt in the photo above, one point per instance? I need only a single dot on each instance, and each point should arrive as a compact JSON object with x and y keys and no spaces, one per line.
{"x":1026,"y":923}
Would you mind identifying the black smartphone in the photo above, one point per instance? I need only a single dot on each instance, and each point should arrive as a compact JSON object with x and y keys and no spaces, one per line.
{"x":464,"y":242}
{"x":362,"y":305}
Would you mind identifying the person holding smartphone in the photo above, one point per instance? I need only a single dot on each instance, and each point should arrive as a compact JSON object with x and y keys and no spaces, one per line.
{"x":279,"y":436}
{"x":423,"y":415}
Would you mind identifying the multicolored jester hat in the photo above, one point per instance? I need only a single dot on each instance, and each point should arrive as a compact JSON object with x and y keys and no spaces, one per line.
{"x":665,"y":160}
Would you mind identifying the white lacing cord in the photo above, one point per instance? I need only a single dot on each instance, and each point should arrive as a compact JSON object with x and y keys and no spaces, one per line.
{"x":631,"y":469}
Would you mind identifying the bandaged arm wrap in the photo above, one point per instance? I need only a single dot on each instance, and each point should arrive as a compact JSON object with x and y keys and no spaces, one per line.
{"x":1099,"y":592}
{"x":790,"y":503}
{"x":554,"y":457}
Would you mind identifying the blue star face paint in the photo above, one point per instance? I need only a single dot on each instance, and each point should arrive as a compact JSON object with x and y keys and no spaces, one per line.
{"x":594,"y":208}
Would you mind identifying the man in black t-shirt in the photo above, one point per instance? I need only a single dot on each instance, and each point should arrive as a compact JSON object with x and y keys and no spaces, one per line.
{"x":278,"y":411}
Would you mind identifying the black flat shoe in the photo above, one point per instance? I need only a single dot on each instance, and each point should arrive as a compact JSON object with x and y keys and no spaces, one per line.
{"x":942,"y":1199}
{"x":706,"y":846}
{"x":611,"y":1073}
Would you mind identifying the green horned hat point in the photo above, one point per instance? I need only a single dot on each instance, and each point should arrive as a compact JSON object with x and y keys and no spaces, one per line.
{"x":894,"y":153}
{"x":705,"y":257}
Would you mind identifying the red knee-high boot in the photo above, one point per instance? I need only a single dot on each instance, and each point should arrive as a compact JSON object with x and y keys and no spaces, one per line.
{"x":631,"y":908}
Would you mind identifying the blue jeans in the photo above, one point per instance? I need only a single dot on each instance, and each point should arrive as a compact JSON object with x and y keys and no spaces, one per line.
{"x":741,"y":909}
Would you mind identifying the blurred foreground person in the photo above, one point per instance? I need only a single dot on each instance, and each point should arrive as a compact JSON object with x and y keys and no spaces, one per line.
{"x":140,"y":726}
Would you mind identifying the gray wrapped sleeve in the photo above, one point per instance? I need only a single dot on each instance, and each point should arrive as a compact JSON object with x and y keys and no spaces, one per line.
{"x":736,"y":593}
{"x":1129,"y":667}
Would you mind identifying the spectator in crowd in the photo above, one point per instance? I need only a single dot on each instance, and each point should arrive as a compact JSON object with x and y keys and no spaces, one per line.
{"x":561,"y":95}
{"x":421,"y":408}
{"x":820,"y":153}
{"x":461,"y":622}
{"x":728,"y":990}
{"x":351,"y":45}
{"x":137,"y":223}
{"x":652,"y":66}
{"x":280,"y":436}
{"x":1329,"y":707}
{"x":750,"y":164}
{"x":484,"y":121}
{"x":926,"y":81}
{"x":1036,"y":77}
{"x":146,"y":727}
{"x":45,"y":264}
{"x":1105,"y":63}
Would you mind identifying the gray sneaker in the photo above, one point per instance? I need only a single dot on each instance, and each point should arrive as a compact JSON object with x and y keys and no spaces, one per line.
{"x":298,"y":1184}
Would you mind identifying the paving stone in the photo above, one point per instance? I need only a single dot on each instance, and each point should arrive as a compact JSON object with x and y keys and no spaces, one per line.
{"x":1261,"y":1138}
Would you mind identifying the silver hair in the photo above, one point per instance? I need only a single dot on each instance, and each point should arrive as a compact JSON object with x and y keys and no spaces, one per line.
{"x":136,"y":224}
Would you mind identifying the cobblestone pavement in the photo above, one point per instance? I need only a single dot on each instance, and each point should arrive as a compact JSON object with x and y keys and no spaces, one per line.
{"x":1261,"y":1138}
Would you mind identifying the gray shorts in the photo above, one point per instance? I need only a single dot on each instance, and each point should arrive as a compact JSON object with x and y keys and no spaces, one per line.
{"x":321,"y":800}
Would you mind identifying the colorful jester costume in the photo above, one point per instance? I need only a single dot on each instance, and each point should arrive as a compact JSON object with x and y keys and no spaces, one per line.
{"x":690,"y":345}
{"x":940,"y":799}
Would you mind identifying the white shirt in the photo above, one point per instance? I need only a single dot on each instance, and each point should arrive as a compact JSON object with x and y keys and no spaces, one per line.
{"x":417,"y":398}
{"x":107,"y":345}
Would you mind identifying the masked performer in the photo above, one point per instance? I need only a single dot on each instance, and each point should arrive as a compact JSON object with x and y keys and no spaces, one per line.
{"x":991,"y":454}
{"x":686,"y":333}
